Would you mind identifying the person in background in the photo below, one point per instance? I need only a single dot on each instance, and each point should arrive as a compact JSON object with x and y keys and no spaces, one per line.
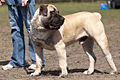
{"x":20,"y":11}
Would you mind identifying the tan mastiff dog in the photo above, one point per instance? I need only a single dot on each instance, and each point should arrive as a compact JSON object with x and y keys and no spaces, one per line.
{"x":51,"y":31}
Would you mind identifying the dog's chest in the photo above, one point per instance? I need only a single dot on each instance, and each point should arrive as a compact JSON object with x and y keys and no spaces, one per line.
{"x":43,"y":38}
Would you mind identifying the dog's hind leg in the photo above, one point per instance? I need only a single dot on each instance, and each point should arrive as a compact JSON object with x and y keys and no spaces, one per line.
{"x":60,"y":48}
{"x":102,"y":41}
{"x":96,"y":30}
{"x":88,"y":48}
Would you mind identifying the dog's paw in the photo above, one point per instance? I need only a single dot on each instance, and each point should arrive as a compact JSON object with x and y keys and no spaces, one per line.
{"x":35,"y":73}
{"x":63,"y":76}
{"x":87,"y":72}
{"x":113,"y":72}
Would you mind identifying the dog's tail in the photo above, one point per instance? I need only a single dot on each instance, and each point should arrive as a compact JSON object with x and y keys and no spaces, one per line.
{"x":98,"y":14}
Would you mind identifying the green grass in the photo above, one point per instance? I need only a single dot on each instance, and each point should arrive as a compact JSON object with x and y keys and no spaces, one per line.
{"x":4,"y":21}
{"x":109,"y":16}
{"x":72,"y":7}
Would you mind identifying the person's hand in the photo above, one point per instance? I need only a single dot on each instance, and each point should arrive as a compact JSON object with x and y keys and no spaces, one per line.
{"x":24,"y":2}
{"x":1,"y":2}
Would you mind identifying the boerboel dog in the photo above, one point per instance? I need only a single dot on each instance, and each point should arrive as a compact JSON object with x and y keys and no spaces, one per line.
{"x":50,"y":30}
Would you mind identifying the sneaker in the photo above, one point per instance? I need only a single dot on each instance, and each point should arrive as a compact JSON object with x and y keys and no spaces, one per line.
{"x":32,"y":67}
{"x":7,"y":67}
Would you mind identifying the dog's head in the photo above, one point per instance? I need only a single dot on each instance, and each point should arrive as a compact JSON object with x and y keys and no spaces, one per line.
{"x":50,"y":17}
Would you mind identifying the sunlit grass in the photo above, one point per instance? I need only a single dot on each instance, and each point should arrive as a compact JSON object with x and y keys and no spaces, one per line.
{"x":72,"y":7}
{"x":4,"y":21}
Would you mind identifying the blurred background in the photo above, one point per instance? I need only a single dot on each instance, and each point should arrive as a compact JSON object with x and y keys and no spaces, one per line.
{"x":39,"y":1}
{"x":111,"y":3}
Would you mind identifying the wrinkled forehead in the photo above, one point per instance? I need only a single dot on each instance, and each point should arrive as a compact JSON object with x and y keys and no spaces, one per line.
{"x":52,"y":8}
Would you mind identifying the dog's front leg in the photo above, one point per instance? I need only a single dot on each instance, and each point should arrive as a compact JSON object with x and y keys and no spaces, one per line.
{"x":60,"y":48}
{"x":38,"y":55}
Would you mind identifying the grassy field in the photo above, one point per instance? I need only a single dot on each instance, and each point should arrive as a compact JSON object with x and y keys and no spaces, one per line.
{"x":69,"y":8}
{"x":77,"y":62}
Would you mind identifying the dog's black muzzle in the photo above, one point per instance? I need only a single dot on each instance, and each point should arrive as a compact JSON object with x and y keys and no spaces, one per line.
{"x":56,"y":22}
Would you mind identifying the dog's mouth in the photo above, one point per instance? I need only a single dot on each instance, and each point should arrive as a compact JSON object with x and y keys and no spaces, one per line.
{"x":56,"y":23}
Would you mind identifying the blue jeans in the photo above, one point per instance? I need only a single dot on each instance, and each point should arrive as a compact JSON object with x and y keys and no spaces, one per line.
{"x":18,"y":15}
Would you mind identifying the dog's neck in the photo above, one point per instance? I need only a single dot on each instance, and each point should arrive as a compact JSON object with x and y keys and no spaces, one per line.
{"x":37,"y":24}
{"x":36,"y":21}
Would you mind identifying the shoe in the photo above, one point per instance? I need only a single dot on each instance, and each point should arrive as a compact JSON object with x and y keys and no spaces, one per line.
{"x":32,"y":67}
{"x":7,"y":67}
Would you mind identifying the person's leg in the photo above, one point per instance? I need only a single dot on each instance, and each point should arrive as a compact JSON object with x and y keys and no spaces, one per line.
{"x":27,"y":19}
{"x":16,"y":23}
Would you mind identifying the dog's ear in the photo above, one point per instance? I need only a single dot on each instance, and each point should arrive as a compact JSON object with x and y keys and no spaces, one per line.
{"x":43,"y":10}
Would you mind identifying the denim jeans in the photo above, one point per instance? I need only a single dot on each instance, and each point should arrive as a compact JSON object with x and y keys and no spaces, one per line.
{"x":18,"y":15}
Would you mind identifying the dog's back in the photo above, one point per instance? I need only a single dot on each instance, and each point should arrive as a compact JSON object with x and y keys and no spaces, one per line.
{"x":78,"y":24}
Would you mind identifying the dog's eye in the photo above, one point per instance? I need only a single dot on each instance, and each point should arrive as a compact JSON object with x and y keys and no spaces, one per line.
{"x":52,"y":12}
